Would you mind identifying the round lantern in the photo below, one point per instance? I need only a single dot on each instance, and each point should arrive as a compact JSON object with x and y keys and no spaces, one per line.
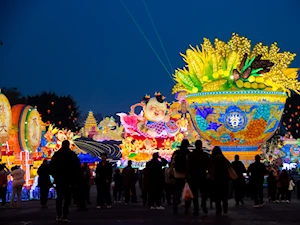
{"x":5,"y":118}
{"x":27,"y":119}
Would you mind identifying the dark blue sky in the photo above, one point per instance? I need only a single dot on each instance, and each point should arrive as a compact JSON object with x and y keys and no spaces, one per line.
{"x":92,"y":49}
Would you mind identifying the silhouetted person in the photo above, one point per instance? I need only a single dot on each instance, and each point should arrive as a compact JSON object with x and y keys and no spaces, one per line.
{"x":272,"y":187}
{"x":4,"y":172}
{"x":83,"y":186}
{"x":218,"y":173}
{"x":156,"y":181}
{"x":179,"y":172}
{"x":118,"y":179}
{"x":284,"y":180}
{"x":169,"y":184}
{"x":239,"y":184}
{"x":298,"y":188}
{"x":88,"y":190}
{"x":65,"y":169}
{"x":44,"y":182}
{"x":145,"y":186}
{"x":197,"y":173}
{"x":103,"y":182}
{"x":256,"y":171}
{"x":129,"y":180}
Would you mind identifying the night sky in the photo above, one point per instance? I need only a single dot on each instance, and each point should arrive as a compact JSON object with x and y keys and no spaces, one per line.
{"x":93,"y":50}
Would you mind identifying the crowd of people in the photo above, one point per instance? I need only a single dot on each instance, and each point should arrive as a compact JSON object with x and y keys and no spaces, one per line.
{"x":160,"y":181}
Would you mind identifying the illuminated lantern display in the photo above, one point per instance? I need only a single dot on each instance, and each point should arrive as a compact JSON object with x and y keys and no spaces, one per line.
{"x":236,"y":95}
{"x":155,"y":129}
{"x":28,"y":121}
{"x":5,"y":119}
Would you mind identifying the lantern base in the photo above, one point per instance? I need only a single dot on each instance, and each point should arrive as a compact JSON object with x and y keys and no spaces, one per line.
{"x":246,"y":157}
{"x":239,"y":148}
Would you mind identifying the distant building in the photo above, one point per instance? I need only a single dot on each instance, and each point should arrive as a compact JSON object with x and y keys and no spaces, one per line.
{"x":89,"y":123}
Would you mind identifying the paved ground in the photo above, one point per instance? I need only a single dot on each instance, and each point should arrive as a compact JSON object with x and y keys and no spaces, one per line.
{"x":271,"y":214}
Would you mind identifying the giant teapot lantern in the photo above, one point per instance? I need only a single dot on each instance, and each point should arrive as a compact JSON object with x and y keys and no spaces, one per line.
{"x":236,"y":95}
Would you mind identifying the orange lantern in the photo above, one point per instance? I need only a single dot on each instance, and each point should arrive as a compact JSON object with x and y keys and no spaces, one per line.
{"x":5,"y":118}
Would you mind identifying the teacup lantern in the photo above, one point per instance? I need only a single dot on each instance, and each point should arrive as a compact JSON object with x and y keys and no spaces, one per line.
{"x":236,"y":95}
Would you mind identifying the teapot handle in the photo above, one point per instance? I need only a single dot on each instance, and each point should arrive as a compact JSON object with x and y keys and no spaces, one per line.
{"x":132,"y":108}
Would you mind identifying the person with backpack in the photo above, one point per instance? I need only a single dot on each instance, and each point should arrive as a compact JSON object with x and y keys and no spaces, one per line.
{"x":179,"y":168}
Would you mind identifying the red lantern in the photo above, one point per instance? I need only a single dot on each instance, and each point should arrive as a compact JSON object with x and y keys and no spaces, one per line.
{"x":290,"y":105}
{"x":59,"y":122}
{"x":297,"y":124}
{"x":48,"y":111}
{"x":289,"y":126}
{"x":292,"y":115}
{"x":52,"y":103}
{"x":284,"y":123}
{"x":296,"y":113}
{"x":290,"y":120}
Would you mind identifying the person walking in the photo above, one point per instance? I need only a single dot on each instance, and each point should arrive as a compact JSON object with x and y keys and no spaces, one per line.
{"x":4,"y":172}
{"x":179,"y":170}
{"x":284,"y":180}
{"x":256,"y":172}
{"x":44,"y":182}
{"x":272,"y":187}
{"x":129,"y":180}
{"x":219,"y":175}
{"x":103,"y":182}
{"x":145,"y":187}
{"x":88,"y":190}
{"x":17,"y":185}
{"x":155,"y":173}
{"x":298,"y":188}
{"x":65,"y":169}
{"x":290,"y":190}
{"x":198,"y":162}
{"x":169,"y":184}
{"x":118,"y":179}
{"x":239,"y":184}
{"x":83,"y":185}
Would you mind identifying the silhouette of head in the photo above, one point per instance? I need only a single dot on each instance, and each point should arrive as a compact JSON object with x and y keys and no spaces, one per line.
{"x":198,"y":144}
{"x":130,"y":163}
{"x":103,"y":156}
{"x":65,"y":144}
{"x":155,"y":155}
{"x":257,"y":158}
{"x":45,"y":161}
{"x":216,"y":151}
{"x":184,"y":144}
{"x":236,"y":157}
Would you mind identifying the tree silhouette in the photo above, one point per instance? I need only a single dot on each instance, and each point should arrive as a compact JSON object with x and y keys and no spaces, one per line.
{"x":290,"y":118}
{"x":14,"y":96}
{"x":62,"y":111}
